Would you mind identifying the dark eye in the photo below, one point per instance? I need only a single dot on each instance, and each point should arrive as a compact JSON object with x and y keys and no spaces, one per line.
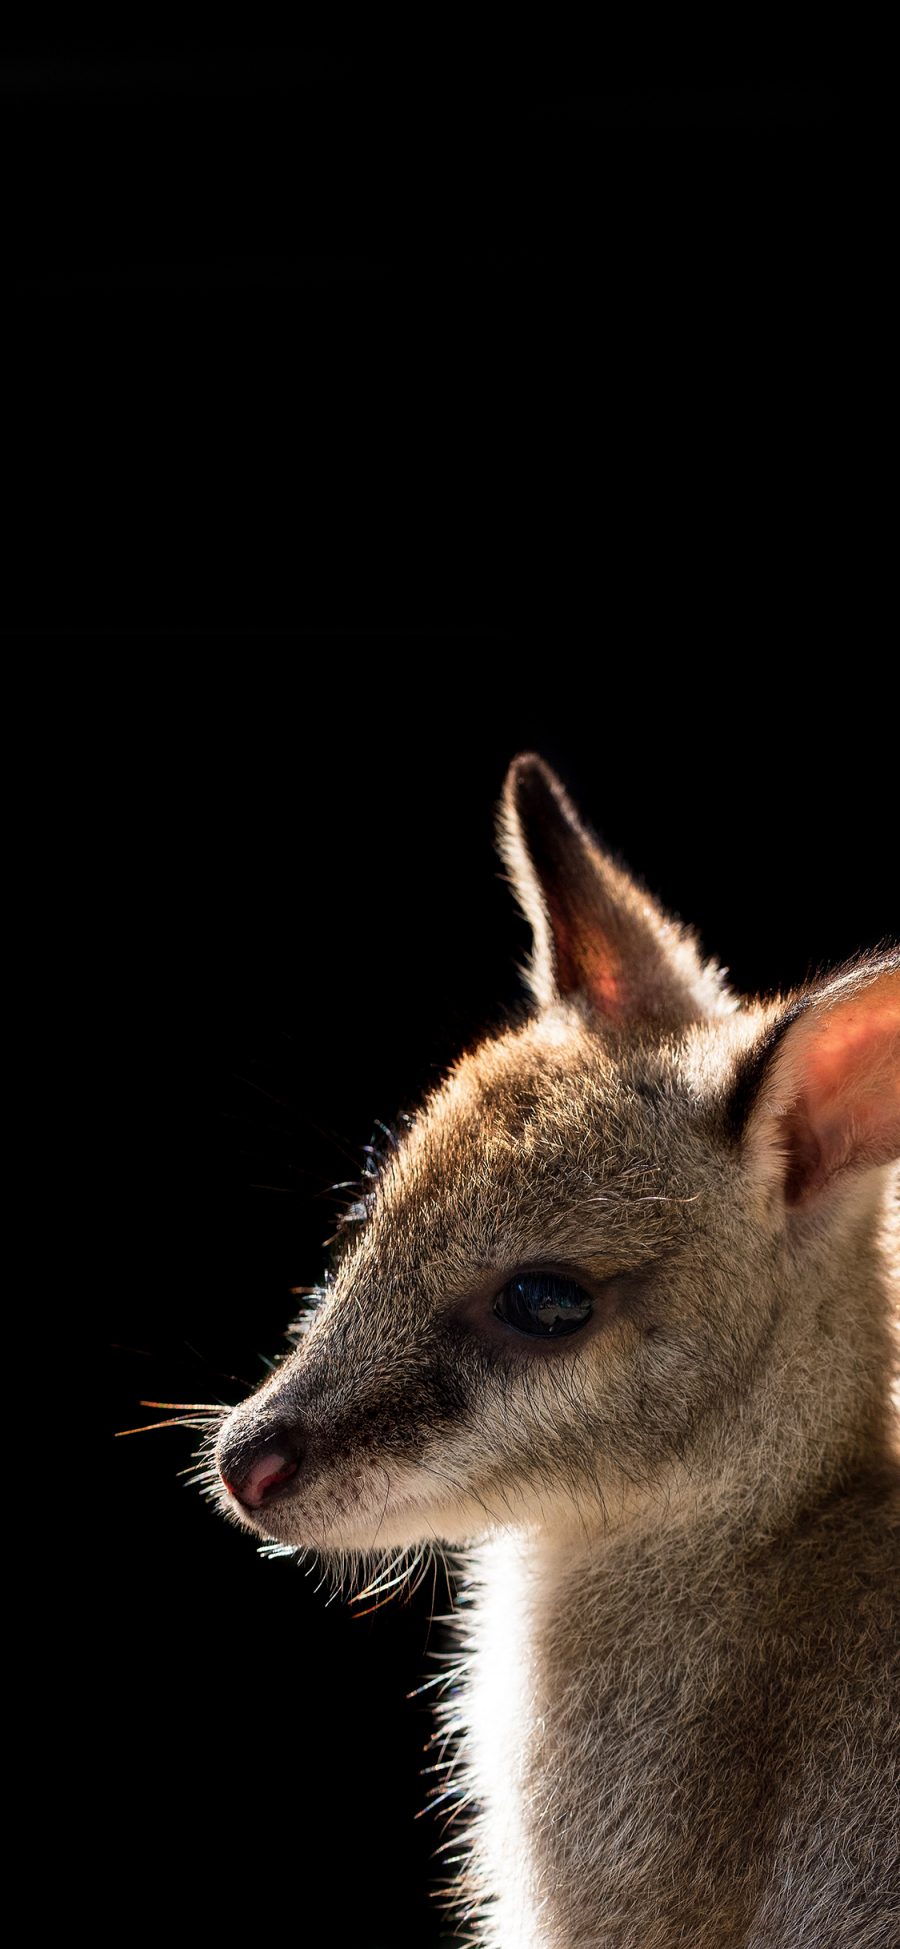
{"x":543,"y":1303}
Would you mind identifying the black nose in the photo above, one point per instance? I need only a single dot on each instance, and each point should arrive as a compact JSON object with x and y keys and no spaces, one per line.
{"x":255,"y":1466}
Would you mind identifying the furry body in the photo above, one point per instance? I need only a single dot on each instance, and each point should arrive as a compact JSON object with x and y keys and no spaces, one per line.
{"x":680,"y":1708}
{"x":659,"y":1756}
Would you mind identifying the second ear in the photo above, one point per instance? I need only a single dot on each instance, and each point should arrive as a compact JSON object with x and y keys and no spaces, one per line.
{"x":828,"y":1104}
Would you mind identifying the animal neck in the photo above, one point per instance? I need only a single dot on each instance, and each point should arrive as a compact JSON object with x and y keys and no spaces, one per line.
{"x":598,"y":1651}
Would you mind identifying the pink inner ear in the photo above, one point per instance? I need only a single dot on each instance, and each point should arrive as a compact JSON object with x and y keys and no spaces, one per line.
{"x":844,"y":1070}
{"x":587,"y":960}
{"x":605,"y":988}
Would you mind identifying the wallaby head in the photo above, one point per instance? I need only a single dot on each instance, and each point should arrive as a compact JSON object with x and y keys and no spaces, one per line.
{"x":607,"y":1266}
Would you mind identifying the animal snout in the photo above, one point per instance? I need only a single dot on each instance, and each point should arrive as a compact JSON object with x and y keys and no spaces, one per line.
{"x":255,"y":1466}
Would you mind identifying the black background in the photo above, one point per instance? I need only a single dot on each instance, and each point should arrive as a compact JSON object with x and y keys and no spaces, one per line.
{"x":247,"y":160}
{"x":389,"y":409}
{"x":434,"y":332}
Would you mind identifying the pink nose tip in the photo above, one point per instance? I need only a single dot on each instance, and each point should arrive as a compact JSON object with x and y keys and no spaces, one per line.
{"x":264,"y":1476}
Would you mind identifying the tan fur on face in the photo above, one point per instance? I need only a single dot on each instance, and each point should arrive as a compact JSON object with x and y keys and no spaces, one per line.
{"x":681,"y":1521}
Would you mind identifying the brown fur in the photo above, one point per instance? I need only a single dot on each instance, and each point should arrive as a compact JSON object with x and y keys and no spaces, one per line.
{"x":681,"y":1522}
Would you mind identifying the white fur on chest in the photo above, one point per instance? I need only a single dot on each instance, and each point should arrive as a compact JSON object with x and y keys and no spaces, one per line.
{"x":560,"y":1832}
{"x":502,"y":1715}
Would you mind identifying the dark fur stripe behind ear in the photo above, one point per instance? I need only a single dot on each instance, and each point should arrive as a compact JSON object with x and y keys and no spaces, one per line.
{"x":751,"y":1069}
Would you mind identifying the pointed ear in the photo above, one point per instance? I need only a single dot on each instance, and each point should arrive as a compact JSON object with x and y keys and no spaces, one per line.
{"x":596,"y":934}
{"x":821,"y":1096}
